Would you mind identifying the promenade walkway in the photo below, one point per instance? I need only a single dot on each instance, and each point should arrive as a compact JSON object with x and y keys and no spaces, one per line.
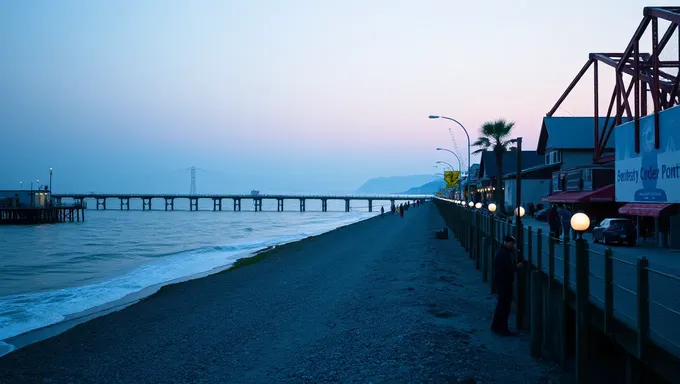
{"x":381,"y":301}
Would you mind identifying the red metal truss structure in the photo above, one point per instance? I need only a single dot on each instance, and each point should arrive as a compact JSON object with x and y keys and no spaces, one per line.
{"x":647,"y":72}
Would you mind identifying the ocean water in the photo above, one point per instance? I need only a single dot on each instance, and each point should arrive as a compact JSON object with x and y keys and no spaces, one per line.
{"x":51,"y":272}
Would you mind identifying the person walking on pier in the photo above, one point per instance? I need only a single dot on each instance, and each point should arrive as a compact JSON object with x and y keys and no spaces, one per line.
{"x":505,"y":268}
{"x":401,"y":210}
{"x":382,"y":212}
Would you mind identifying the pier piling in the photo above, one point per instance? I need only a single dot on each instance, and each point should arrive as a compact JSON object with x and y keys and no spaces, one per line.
{"x":217,"y":204}
{"x":169,"y":203}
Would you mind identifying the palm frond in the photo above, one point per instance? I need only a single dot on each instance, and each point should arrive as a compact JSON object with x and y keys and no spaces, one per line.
{"x":482,"y":142}
{"x":478,"y":151}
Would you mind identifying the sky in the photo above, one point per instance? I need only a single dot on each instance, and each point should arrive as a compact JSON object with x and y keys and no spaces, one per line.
{"x":281,"y":96}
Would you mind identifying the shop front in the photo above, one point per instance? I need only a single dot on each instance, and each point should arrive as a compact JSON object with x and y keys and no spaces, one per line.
{"x":586,"y":189}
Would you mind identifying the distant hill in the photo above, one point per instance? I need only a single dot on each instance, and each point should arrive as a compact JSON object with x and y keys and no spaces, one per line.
{"x":394,"y":184}
{"x":427,"y":189}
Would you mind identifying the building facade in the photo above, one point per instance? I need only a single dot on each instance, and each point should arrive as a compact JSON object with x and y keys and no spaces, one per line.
{"x":25,"y":198}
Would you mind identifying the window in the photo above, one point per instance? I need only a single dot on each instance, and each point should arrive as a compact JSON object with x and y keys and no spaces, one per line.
{"x":553,"y":157}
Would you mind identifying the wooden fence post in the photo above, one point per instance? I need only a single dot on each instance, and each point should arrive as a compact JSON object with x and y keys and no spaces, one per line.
{"x":565,"y":304}
{"x":642,"y":307}
{"x":520,"y":284}
{"x":551,"y":260}
{"x":536,"y":325}
{"x":530,"y":246}
{"x":539,"y":249}
{"x":529,"y":267}
{"x":485,"y":260}
{"x":608,"y":292}
{"x":582,"y":312}
{"x":567,"y":270}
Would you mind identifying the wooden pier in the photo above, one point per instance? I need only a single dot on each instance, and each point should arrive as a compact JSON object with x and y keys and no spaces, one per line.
{"x":124,"y":200}
{"x":49,"y":214}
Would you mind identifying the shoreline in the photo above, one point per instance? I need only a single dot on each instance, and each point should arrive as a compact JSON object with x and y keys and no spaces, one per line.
{"x":381,"y":300}
{"x":15,"y":343}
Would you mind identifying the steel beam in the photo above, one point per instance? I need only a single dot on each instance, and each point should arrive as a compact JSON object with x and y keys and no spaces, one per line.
{"x":655,"y":71}
{"x":570,"y":87}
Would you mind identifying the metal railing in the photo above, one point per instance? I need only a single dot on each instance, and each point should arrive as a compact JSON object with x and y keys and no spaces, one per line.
{"x":643,"y":297}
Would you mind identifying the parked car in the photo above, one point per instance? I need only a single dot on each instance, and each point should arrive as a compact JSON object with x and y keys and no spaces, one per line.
{"x":542,"y":215}
{"x":615,"y":230}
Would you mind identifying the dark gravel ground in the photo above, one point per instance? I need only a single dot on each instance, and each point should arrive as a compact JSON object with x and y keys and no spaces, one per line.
{"x":381,"y":301}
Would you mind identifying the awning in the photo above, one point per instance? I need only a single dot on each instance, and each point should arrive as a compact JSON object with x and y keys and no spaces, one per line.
{"x":604,"y":194}
{"x":643,"y":209}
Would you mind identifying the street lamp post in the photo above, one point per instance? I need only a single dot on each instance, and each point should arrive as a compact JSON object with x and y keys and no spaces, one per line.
{"x":468,"y":140}
{"x":21,"y":185}
{"x":518,"y":193}
{"x":460,"y":169}
{"x":444,"y":162}
{"x":50,"y":179}
{"x":519,"y":212}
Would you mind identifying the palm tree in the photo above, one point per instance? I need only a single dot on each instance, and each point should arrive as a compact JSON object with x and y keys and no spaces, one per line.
{"x":494,"y":137}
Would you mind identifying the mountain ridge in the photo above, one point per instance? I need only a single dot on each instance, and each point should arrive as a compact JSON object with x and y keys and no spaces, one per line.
{"x":395,"y":184}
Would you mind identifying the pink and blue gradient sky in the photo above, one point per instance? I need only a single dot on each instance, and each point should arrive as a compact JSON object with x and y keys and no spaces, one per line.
{"x":295,"y":95}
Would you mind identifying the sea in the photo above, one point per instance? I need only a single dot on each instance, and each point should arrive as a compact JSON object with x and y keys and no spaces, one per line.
{"x":51,"y":273}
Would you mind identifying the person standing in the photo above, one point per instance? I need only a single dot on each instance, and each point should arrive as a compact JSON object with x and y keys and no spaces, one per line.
{"x":554,"y":222}
{"x":401,"y":210}
{"x":505,"y":268}
{"x":382,"y":212}
{"x":565,"y":217}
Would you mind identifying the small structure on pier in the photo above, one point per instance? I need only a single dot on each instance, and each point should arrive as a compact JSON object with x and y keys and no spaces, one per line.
{"x":37,"y":207}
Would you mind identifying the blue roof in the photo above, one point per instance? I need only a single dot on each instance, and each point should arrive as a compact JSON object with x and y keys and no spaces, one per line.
{"x":570,"y":133}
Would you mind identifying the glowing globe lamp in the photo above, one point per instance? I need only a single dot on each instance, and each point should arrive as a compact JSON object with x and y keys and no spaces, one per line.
{"x":580,"y":222}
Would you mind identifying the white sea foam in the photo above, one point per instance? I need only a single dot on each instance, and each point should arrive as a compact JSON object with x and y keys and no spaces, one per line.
{"x":25,"y":312}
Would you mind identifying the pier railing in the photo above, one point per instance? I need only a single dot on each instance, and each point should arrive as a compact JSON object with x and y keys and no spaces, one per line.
{"x":634,"y":301}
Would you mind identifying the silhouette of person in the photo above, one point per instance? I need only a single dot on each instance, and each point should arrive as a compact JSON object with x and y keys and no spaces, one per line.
{"x":505,"y":268}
